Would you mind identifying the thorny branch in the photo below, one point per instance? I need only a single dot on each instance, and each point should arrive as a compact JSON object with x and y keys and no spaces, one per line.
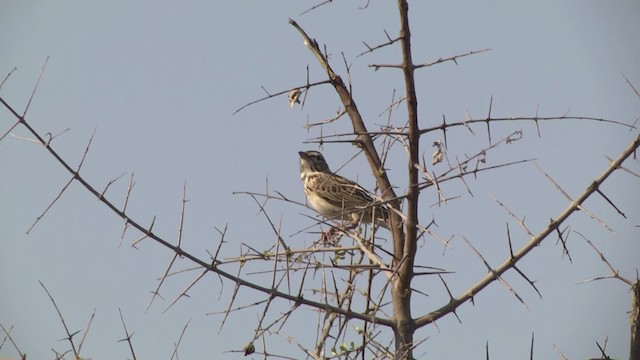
{"x":7,"y":333}
{"x":404,"y":247}
{"x":70,"y":336}
{"x":269,"y":95}
{"x":178,"y":251}
{"x":371,"y":49}
{"x":533,"y":242}
{"x":127,"y":335}
{"x":453,"y":58}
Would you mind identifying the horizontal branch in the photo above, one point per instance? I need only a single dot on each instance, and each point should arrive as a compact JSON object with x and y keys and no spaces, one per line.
{"x":453,"y":58}
{"x":389,"y":42}
{"x":465,"y":123}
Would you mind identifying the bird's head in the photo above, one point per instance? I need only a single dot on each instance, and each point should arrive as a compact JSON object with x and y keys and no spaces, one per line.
{"x":312,"y":161}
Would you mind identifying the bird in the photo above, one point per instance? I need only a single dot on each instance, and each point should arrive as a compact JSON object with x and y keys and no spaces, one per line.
{"x":338,"y":198}
{"x":294,"y":97}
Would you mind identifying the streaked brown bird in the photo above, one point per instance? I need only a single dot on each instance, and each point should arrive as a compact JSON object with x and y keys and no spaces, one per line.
{"x":338,"y":198}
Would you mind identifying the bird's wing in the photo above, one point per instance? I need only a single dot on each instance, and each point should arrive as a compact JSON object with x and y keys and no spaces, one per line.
{"x":343,"y":192}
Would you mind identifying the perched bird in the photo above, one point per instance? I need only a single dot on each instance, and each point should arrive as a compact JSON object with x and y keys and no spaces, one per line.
{"x":336,"y":197}
{"x":294,"y":97}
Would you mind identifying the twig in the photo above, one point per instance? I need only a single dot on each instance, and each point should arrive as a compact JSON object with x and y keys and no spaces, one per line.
{"x":453,"y":58}
{"x":124,"y":207}
{"x":390,"y":41}
{"x":580,"y":207}
{"x":325,"y":2}
{"x":615,"y":274}
{"x":8,"y":336}
{"x":536,"y":118}
{"x":86,"y":330}
{"x":44,"y":66}
{"x":269,"y":96}
{"x":74,"y":176}
{"x":7,"y":77}
{"x":494,"y":273}
{"x":174,"y":355}
{"x":127,"y":335}
{"x":440,"y":60}
{"x":64,"y":324}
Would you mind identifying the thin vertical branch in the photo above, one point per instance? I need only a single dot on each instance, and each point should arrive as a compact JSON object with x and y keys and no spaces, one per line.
{"x":405,"y":248}
{"x":64,"y":324}
{"x":634,"y":353}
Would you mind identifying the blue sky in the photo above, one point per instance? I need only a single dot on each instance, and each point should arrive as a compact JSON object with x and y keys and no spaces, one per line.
{"x":159,"y":81}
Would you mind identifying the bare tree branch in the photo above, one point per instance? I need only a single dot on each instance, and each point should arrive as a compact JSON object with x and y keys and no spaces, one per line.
{"x":127,"y":336}
{"x":535,"y":241}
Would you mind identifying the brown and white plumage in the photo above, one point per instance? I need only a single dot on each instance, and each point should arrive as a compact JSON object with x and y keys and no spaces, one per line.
{"x":336,"y":197}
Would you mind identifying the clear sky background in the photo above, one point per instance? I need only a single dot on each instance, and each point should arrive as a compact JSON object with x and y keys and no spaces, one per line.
{"x":158,"y":81}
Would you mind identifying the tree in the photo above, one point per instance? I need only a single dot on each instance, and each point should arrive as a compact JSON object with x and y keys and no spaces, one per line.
{"x":367,"y":288}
